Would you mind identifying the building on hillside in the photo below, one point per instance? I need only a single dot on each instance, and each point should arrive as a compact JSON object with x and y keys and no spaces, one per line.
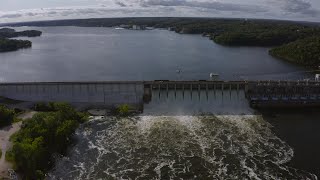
{"x":138,"y":27}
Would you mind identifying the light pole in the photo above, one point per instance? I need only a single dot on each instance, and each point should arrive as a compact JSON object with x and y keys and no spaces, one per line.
{"x":179,"y":71}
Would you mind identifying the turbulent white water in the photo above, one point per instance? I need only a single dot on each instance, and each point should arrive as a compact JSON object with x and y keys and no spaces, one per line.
{"x":178,"y":147}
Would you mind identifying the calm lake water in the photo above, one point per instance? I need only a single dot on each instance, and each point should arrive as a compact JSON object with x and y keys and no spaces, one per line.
{"x":197,"y":137}
{"x":101,"y":54}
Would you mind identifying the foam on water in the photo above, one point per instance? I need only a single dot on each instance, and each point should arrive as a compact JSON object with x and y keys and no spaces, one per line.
{"x":170,"y":147}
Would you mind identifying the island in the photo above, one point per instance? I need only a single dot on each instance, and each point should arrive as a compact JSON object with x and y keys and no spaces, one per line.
{"x":13,"y":45}
{"x":7,"y":44}
{"x":11,"y":33}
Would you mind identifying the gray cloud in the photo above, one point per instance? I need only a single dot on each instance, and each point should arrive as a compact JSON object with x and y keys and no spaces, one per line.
{"x":31,"y":14}
{"x":147,"y":3}
{"x":299,"y":6}
{"x":220,"y":6}
{"x":121,"y":4}
{"x":77,"y":12}
{"x":271,"y":9}
{"x":17,"y":15}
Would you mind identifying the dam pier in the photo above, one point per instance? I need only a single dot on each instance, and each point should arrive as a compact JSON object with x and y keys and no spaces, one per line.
{"x":113,"y":93}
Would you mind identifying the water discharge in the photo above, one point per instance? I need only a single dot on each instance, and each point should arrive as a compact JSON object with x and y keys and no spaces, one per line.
{"x":181,"y":135}
{"x":180,"y":103}
{"x":178,"y":147}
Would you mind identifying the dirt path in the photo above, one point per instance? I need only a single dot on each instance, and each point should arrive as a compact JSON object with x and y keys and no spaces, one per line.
{"x":5,"y":144}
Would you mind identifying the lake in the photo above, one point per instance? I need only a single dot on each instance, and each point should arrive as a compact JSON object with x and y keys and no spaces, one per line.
{"x":103,"y":54}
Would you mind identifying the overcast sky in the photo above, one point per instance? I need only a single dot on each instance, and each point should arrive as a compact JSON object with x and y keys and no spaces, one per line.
{"x":31,"y":10}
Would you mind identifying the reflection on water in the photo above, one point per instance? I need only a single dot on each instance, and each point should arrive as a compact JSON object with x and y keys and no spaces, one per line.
{"x":168,"y":147}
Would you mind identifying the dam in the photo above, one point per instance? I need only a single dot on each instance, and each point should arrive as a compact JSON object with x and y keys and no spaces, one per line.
{"x":97,"y":93}
{"x":112,"y":93}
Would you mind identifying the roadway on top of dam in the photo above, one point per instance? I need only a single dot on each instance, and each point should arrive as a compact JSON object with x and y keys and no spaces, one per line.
{"x":165,"y":82}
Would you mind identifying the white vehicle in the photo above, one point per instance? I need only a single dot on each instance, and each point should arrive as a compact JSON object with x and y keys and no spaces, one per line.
{"x":214,"y":77}
{"x":317,"y":77}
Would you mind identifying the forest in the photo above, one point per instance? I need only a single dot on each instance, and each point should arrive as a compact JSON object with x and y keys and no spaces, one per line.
{"x":11,"y":33}
{"x":42,"y":136}
{"x":6,"y":116}
{"x":305,"y":51}
{"x":13,"y":45}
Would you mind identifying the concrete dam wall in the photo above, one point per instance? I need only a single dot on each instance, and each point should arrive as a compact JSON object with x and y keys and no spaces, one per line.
{"x":139,"y":92}
{"x":106,"y":93}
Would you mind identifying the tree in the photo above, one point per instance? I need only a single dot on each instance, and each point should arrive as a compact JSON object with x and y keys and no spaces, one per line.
{"x":6,"y":116}
{"x":123,"y":110}
{"x":41,"y":136}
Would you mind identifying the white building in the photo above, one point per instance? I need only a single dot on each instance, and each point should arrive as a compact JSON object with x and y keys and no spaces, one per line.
{"x":138,"y":27}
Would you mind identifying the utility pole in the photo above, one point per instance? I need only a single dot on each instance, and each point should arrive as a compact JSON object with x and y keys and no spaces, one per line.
{"x":179,"y":72}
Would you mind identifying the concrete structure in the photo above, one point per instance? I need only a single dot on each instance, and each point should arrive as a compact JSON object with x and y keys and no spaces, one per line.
{"x":258,"y":93}
{"x":284,"y":94}
{"x":138,"y":92}
{"x":106,"y":93}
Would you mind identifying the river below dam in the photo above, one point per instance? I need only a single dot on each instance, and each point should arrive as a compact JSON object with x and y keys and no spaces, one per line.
{"x":195,"y":137}
{"x":178,"y":147}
